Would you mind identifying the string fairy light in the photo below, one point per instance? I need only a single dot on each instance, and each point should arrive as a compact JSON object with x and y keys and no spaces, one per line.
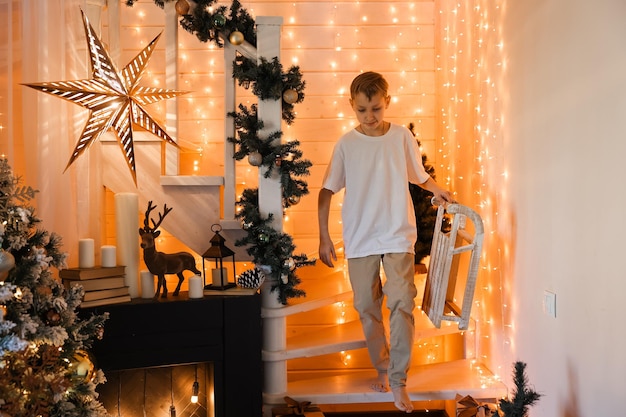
{"x":450,"y":90}
{"x":468,"y":72}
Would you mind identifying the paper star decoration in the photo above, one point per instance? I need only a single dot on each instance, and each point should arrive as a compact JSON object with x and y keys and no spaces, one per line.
{"x":114,"y":99}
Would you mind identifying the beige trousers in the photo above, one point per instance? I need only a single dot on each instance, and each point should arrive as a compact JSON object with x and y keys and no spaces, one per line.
{"x":393,"y":357}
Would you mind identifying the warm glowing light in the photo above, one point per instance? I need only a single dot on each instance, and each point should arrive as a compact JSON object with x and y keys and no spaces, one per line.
{"x":194,"y":392}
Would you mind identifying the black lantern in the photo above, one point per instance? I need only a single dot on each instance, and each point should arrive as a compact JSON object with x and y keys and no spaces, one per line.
{"x":217,"y":252}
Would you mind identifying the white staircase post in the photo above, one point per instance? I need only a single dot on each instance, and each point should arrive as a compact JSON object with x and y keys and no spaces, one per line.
{"x":229,"y":132}
{"x":268,"y":47}
{"x":270,"y":201}
{"x":171,"y":82}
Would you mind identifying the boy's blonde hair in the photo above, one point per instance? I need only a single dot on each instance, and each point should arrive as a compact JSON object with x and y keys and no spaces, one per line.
{"x":369,"y":83}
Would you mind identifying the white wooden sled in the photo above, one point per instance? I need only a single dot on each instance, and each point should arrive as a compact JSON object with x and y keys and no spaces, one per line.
{"x":439,"y":301}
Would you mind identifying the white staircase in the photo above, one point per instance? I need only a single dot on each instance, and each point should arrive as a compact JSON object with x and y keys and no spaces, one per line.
{"x":316,"y":351}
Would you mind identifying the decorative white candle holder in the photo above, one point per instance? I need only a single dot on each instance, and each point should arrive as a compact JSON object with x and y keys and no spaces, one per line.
{"x":147,"y":284}
{"x":126,"y":227}
{"x":196,"y":290}
{"x":108,"y":256}
{"x":86,"y":254}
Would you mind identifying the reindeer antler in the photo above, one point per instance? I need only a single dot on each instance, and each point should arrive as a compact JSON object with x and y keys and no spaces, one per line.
{"x":146,"y":220}
{"x":155,"y":225}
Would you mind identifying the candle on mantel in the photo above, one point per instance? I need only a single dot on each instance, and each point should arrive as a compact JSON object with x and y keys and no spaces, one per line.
{"x":147,"y":284}
{"x":126,"y":226}
{"x":196,"y":289}
{"x":108,"y":256}
{"x":86,"y":254}
{"x":219,"y":277}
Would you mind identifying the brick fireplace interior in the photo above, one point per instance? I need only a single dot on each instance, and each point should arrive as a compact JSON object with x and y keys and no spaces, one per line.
{"x":153,"y":391}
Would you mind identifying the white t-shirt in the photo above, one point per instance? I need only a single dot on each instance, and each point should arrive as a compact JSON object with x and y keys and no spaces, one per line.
{"x":377,"y":213}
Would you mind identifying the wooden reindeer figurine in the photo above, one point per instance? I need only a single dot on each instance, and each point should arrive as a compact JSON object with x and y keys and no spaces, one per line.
{"x":160,"y":263}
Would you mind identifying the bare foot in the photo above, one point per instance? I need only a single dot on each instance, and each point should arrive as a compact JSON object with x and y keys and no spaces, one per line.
{"x":381,"y":384}
{"x":401,"y":399}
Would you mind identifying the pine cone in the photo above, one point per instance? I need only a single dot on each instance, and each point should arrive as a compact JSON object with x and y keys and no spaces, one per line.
{"x":252,"y":278}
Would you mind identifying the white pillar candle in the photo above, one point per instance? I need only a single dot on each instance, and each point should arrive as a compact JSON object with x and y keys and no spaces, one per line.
{"x":127,"y":230}
{"x":147,"y":284}
{"x":217,"y":277}
{"x":196,"y":289}
{"x":86,"y":254}
{"x":108,"y":256}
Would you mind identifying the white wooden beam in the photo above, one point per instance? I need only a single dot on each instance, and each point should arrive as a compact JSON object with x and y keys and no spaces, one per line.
{"x":171,"y":82}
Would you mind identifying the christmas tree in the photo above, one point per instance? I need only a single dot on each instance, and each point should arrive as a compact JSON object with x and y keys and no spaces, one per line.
{"x":523,"y":395}
{"x":45,"y":369}
{"x":425,"y":212}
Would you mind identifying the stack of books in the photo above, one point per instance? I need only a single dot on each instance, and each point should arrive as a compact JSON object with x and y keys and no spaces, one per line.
{"x":102,"y":285}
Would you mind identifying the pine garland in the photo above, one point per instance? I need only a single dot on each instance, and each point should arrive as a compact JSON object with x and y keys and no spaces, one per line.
{"x":268,"y":81}
{"x":270,"y":248}
{"x":210,"y":26}
{"x":285,"y":157}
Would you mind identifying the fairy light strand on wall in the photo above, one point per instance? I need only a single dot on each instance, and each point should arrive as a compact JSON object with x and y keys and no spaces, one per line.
{"x":469,"y":73}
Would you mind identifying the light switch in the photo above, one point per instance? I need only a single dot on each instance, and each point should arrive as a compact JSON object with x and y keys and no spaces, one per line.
{"x":549,"y":303}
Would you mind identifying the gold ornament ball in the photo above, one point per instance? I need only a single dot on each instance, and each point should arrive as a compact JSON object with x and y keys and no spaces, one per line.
{"x":82,"y":366}
{"x":182,"y":7}
{"x":293,"y":199}
{"x":236,"y":38}
{"x":290,"y":96}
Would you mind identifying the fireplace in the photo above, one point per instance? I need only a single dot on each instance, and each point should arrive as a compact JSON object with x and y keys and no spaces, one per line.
{"x":153,"y":351}
{"x":154,"y":391}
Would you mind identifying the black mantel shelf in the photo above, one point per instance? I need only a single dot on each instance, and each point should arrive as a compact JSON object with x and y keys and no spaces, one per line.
{"x":225,"y":330}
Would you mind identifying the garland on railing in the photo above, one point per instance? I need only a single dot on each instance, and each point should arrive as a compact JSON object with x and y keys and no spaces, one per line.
{"x":269,"y":82}
{"x":210,"y":24}
{"x":284,"y":157}
{"x":267,"y":246}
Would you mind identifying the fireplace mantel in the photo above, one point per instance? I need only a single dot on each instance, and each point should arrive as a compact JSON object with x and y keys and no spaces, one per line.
{"x":222,"y":329}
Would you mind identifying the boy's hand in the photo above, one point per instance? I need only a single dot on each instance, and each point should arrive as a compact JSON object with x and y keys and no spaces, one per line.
{"x":327,"y":252}
{"x":446,"y":196}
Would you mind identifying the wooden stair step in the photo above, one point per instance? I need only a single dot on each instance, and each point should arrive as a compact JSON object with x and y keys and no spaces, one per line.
{"x":333,"y":288}
{"x":441,"y":381}
{"x":346,"y":336}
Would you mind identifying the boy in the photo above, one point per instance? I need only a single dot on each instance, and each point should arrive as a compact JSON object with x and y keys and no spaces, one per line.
{"x":374,"y":163}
